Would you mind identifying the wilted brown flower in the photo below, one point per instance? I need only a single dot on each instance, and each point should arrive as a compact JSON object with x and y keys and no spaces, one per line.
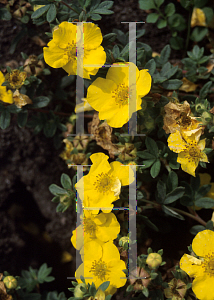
{"x":15,"y":78}
{"x":178,"y":117}
{"x":102,"y":133}
{"x":127,"y":152}
{"x":139,"y":284}
{"x":188,"y":86}
{"x":3,"y":293}
{"x":176,"y":290}
{"x":21,"y":99}
{"x":33,"y":66}
{"x":80,"y":142}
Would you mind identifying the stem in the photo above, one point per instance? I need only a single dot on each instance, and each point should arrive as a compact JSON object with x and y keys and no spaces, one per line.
{"x":188,"y":29}
{"x":194,"y":217}
{"x":69,"y":7}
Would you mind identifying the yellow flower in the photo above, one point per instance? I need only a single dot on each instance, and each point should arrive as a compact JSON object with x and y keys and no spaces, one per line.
{"x":189,"y":150}
{"x":110,"y":96}
{"x":102,"y":185}
{"x":102,"y":263}
{"x":61,"y":51}
{"x":103,"y":227}
{"x":16,"y":78}
{"x":203,"y":268}
{"x":198,"y":18}
{"x":5,"y":96}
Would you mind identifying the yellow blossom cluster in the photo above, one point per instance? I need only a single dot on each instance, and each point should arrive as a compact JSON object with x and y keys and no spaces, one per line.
{"x":184,"y":139}
{"x":94,"y":237}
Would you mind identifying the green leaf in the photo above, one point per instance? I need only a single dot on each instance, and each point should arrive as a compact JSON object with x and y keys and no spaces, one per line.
{"x":51,"y":14}
{"x":66,"y":181}
{"x":205,"y":202}
{"x":22,"y":118}
{"x":174,"y":195}
{"x":198,"y":34}
{"x":148,"y":163}
{"x":165,"y":54}
{"x":40,"y":11}
{"x":104,"y":285}
{"x":106,"y":4}
{"x":147,"y":4}
{"x":151,"y":65}
{"x":196,"y":229}
{"x":145,"y":292}
{"x":172,"y":213}
{"x":205,"y":90}
{"x":108,"y":39}
{"x":108,"y":297}
{"x":5,"y":15}
{"x":161,"y":189}
{"x":176,"y":42}
{"x":5,"y":119}
{"x":161,"y":23}
{"x":50,"y":128}
{"x":169,"y":9}
{"x":152,"y":18}
{"x":200,"y":3}
{"x":168,"y":70}
{"x":116,"y":51}
{"x":40,"y":102}
{"x":172,"y":84}
{"x":172,"y":181}
{"x":56,"y":190}
{"x":102,"y":11}
{"x":209,"y":225}
{"x":151,"y":146}
{"x":155,"y":169}
{"x":159,"y":2}
{"x":146,"y":154}
{"x":203,"y":190}
{"x":186,"y":201}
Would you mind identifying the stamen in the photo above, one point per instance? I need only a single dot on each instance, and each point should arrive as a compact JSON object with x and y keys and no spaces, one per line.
{"x":99,"y":269}
{"x":121,"y":95}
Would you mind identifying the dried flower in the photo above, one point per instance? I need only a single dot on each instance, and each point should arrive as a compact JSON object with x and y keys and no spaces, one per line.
{"x":176,"y":290}
{"x":139,"y":284}
{"x":15,"y":78}
{"x":33,"y":66}
{"x":21,"y":99}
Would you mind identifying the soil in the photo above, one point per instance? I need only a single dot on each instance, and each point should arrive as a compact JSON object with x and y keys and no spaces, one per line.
{"x":31,"y":231}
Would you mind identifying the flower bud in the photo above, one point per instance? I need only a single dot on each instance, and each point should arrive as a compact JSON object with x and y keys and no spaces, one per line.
{"x":78,"y":293}
{"x":100,"y":295}
{"x":206,"y":117}
{"x":154,"y":260}
{"x":199,"y":107}
{"x":176,"y":290}
{"x":123,"y":240}
{"x":10,"y":282}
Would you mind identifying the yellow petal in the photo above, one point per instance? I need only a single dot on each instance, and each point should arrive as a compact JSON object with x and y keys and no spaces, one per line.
{"x":203,"y":243}
{"x":122,"y":172}
{"x":176,"y":143}
{"x":84,"y":106}
{"x":99,"y":163}
{"x":144,"y":83}
{"x":203,"y":287}
{"x":115,"y":116}
{"x":201,"y":144}
{"x":187,"y":166}
{"x":119,"y":73}
{"x":54,"y":57}
{"x":191,"y":265}
{"x":109,"y":230}
{"x":110,"y":252}
{"x":65,"y":34}
{"x":92,"y":36}
{"x":188,"y":86}
{"x":198,"y":18}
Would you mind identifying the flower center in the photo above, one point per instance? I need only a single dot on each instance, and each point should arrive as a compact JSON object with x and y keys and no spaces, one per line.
{"x":99,"y":269}
{"x":103,"y":183}
{"x":89,"y":226}
{"x":208,"y":264}
{"x":71,"y":51}
{"x":184,"y":120}
{"x":194,"y":151}
{"x":121,"y":95}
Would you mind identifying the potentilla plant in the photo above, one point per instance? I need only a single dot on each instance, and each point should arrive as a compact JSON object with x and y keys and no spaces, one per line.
{"x":142,"y":154}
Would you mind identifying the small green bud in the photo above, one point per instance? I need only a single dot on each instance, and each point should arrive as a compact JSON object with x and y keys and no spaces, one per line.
{"x":154,"y":260}
{"x":199,"y":107}
{"x":10,"y":282}
{"x":123,"y":240}
{"x":206,"y":117}
{"x":78,"y":293}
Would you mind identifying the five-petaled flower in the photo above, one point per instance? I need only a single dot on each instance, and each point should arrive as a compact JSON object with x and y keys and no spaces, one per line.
{"x":102,"y":185}
{"x":189,"y":149}
{"x":111,"y":96}
{"x":62,"y":50}
{"x":203,"y":268}
{"x":102,"y":263}
{"x":5,"y":96}
{"x":103,"y":227}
